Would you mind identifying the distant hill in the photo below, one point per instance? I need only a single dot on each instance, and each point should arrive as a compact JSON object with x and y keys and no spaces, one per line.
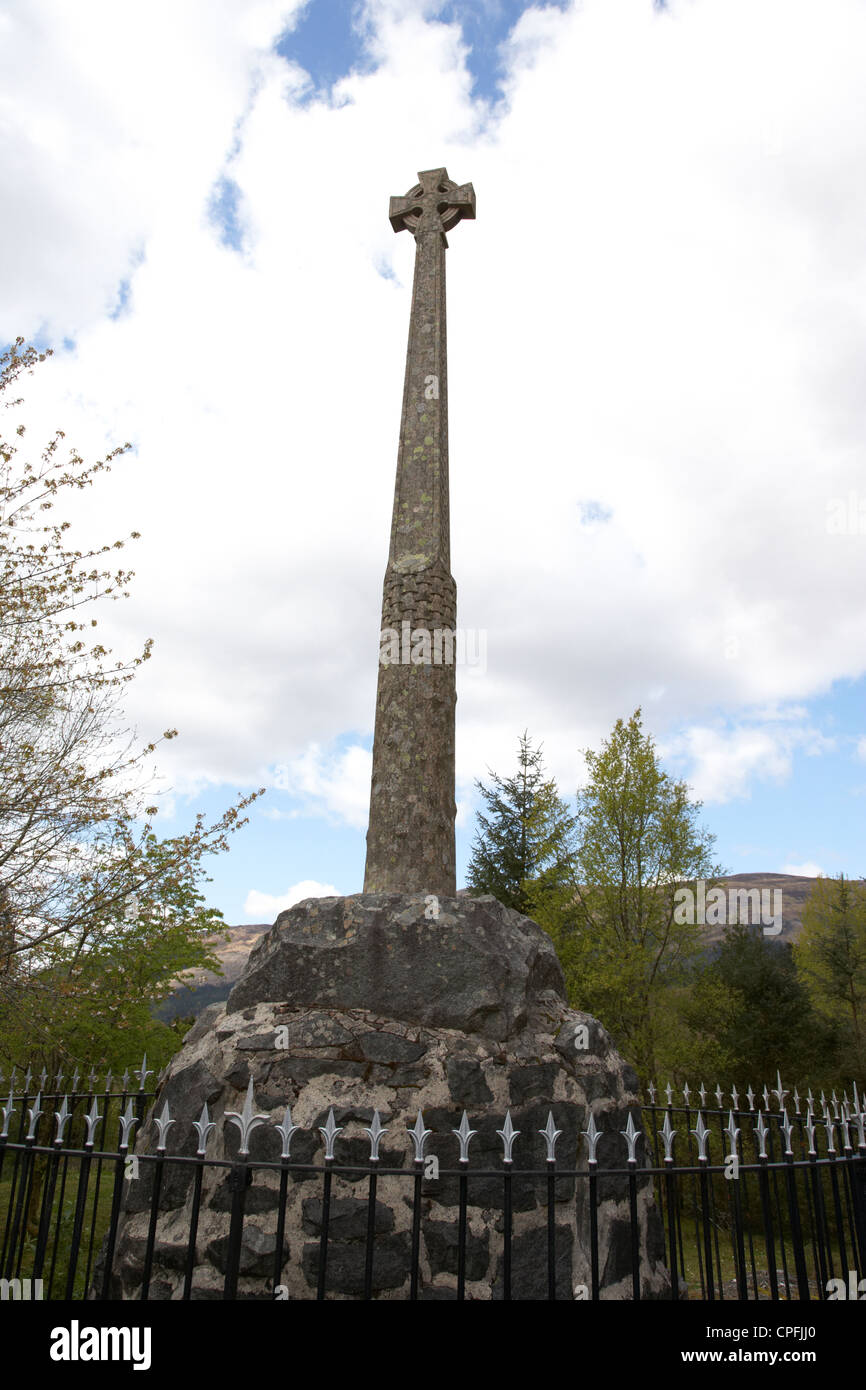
{"x":794,"y":889}
{"x":208,"y":988}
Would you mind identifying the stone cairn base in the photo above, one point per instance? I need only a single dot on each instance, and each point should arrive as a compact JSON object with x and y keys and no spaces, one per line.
{"x":397,"y":1004}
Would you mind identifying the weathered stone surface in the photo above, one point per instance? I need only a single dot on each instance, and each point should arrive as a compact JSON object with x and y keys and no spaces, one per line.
{"x":441,"y":1240}
{"x":258,"y":1248}
{"x":410,"y":840}
{"x":529,"y":1278}
{"x":466,"y":1082}
{"x":346,"y":1264}
{"x":474,"y":965}
{"x":388,"y":1047}
{"x":529,"y":1073}
{"x":347,"y":1219}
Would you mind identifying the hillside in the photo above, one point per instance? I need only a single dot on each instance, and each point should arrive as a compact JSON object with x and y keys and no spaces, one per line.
{"x":208,"y":988}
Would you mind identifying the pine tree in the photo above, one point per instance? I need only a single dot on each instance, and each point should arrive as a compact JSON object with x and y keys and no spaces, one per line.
{"x":523,"y":845}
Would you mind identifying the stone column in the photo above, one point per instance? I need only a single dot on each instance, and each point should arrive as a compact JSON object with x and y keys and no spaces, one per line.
{"x":410,"y":840}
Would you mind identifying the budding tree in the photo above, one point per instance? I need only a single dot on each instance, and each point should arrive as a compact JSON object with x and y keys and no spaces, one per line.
{"x":87,"y":890}
{"x":638,"y":837}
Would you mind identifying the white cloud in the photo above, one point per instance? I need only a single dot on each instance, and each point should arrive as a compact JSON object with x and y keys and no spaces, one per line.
{"x":723,"y":763}
{"x":861,"y":748}
{"x":807,"y":870}
{"x":661,"y":309}
{"x":333,"y":784}
{"x":266,"y":906}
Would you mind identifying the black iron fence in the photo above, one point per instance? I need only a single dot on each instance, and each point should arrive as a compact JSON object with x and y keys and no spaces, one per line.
{"x":749,"y":1201}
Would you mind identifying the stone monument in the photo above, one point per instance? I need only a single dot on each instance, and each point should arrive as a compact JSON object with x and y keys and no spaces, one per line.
{"x":410,"y":840}
{"x":438,"y":1016}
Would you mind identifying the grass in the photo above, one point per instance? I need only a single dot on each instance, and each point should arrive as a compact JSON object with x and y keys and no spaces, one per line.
{"x":61,"y":1226}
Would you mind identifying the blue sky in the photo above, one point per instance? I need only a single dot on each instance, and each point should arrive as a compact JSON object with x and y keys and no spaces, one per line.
{"x":656,"y":358}
{"x":331,"y":39}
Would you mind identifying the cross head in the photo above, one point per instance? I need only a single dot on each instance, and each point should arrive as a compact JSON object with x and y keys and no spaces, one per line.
{"x":435,"y":202}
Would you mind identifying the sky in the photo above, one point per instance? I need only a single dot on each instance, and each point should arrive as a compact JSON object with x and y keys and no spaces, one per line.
{"x":657,"y":350}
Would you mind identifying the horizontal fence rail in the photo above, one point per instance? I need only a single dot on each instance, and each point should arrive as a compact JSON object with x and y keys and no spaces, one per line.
{"x":753,"y":1202}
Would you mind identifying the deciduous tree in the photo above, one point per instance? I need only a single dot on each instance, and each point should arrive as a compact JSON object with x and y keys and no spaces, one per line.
{"x":77,"y":846}
{"x":638,"y":837}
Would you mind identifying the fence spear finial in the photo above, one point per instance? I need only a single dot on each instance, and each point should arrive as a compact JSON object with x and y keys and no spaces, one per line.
{"x":8,"y":1112}
{"x":164,"y":1123}
{"x":702,"y":1134}
{"x":419,"y":1136}
{"x":831,"y":1130}
{"x":550,"y":1134}
{"x":285,"y":1130}
{"x":246,"y":1121}
{"x":375,"y":1131}
{"x":508,"y":1134}
{"x":787,"y":1129}
{"x":127,"y":1120}
{"x":810,"y":1131}
{"x":92,"y":1119}
{"x":667,"y":1133}
{"x":144,"y":1071}
{"x":330,"y":1129}
{"x":464,"y":1134}
{"x":204,"y":1125}
{"x":62,"y":1116}
{"x":733,"y":1134}
{"x":34,"y":1115}
{"x":631,"y":1135}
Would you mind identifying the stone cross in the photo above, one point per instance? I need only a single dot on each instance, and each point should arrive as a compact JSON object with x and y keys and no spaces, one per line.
{"x":410,"y":839}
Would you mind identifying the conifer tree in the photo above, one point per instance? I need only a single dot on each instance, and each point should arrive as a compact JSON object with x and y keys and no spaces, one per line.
{"x":523,"y":844}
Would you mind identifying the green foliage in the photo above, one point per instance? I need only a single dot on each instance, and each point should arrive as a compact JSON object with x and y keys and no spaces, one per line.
{"x":749,"y":1012}
{"x":97,"y":914}
{"x":831,"y":956}
{"x":522,"y":849}
{"x":638,"y":838}
{"x":93,"y":997}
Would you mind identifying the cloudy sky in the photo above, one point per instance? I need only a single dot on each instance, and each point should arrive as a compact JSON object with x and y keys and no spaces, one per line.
{"x":656,"y":377}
